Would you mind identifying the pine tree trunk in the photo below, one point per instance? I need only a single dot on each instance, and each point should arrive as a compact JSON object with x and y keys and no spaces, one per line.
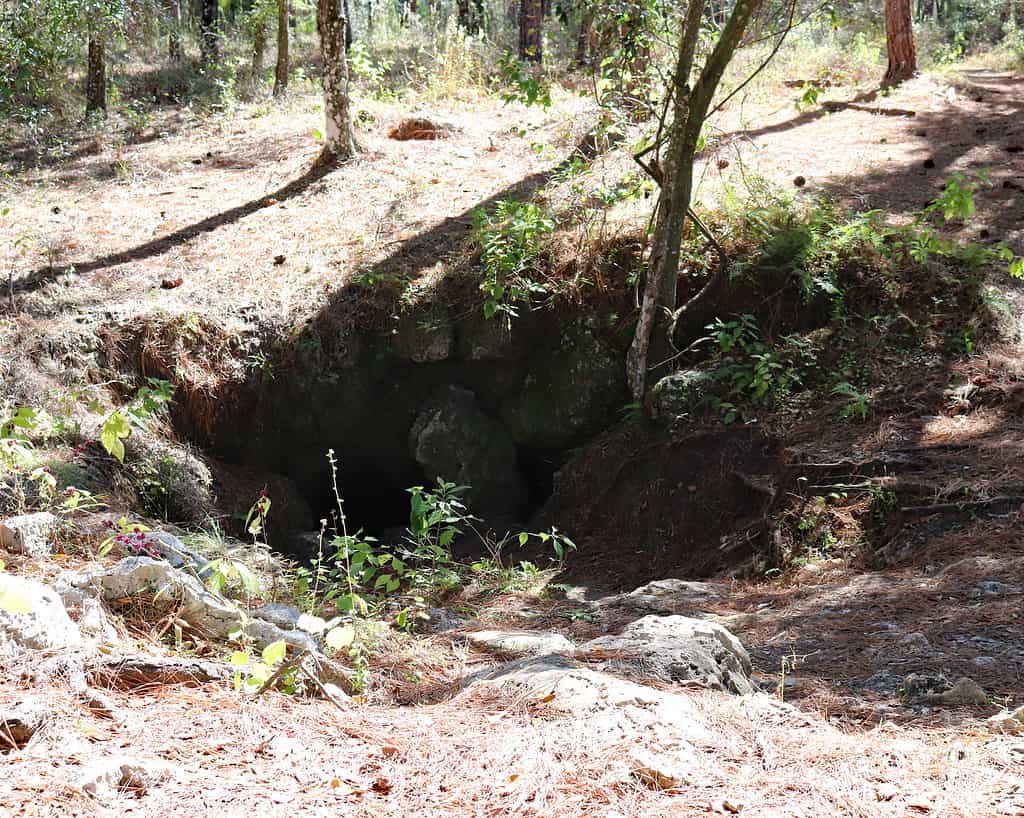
{"x":259,"y":48}
{"x":281,"y":68}
{"x":531,"y":21}
{"x":96,"y":75}
{"x":174,"y":49}
{"x":339,"y":138}
{"x":899,"y":33}
{"x":208,"y":33}
{"x":584,"y":53}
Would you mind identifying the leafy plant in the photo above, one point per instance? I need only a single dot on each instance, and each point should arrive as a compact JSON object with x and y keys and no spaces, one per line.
{"x":857,"y":405}
{"x":512,"y":241}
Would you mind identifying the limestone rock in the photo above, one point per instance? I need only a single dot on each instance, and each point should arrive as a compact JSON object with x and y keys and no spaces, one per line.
{"x":453,"y":439}
{"x":22,"y":720}
{"x":40,"y":623}
{"x":665,"y":596}
{"x":654,"y":731}
{"x":675,"y":649}
{"x":1009,"y":722}
{"x":680,"y":394}
{"x":534,"y":643}
{"x":28,"y":534}
{"x":425,"y":338}
{"x":109,"y":777}
{"x":915,"y":642}
{"x":174,"y":551}
{"x":568,"y":392}
{"x":935,"y":689}
{"x":204,"y":610}
{"x":440,"y":620}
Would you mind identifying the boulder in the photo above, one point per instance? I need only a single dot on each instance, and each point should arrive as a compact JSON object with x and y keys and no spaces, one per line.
{"x":33,"y":618}
{"x":440,"y":620}
{"x":204,"y":610}
{"x":535,"y":643}
{"x":454,"y":440}
{"x":665,"y":596}
{"x":936,"y":689}
{"x":28,"y":534}
{"x":568,"y":392}
{"x":680,"y":394}
{"x":677,"y":649}
{"x":425,"y":337}
{"x":654,"y":732}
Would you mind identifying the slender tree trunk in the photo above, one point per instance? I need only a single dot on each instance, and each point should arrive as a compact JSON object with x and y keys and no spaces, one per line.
{"x":690,"y":108}
{"x":209,"y":34}
{"x":899,"y":34}
{"x":471,"y":15}
{"x":281,"y":68}
{"x":96,"y":75}
{"x":584,"y":53}
{"x":339,"y":138}
{"x":174,"y":49}
{"x":531,"y":22}
{"x":259,"y":48}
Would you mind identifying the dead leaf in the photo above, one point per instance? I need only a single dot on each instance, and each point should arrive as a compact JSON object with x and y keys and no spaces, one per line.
{"x":549,"y":698}
{"x":727,"y":806}
{"x":171,"y":283}
{"x":382,"y":786}
{"x":886,"y":792}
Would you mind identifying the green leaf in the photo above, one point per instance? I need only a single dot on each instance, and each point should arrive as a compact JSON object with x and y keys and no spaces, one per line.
{"x":275,"y":652}
{"x":340,"y":637}
{"x":115,"y":428}
{"x":239,"y":658}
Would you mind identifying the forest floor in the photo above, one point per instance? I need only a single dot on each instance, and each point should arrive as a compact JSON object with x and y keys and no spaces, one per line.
{"x":231,"y":208}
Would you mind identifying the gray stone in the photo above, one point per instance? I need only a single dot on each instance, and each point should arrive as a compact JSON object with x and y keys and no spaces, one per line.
{"x":28,"y":534}
{"x":680,"y":394}
{"x":425,"y":338}
{"x":20,"y":721}
{"x":568,"y":392}
{"x":440,"y":620}
{"x":174,"y":551}
{"x":534,"y":643}
{"x":991,"y":587}
{"x":665,"y":596}
{"x":206,"y":611}
{"x":454,"y":440}
{"x":676,"y":649}
{"x":45,"y":625}
{"x":284,"y":616}
{"x":108,"y":778}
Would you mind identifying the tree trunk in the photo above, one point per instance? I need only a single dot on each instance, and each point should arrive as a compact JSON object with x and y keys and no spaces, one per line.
{"x":690,"y":108}
{"x":259,"y":48}
{"x":174,"y":49}
{"x":531,"y":21}
{"x":339,"y":138}
{"x":281,"y":68}
{"x":209,"y":35}
{"x":471,"y":15}
{"x":899,"y":34}
{"x":584,"y":53}
{"x":96,"y":75}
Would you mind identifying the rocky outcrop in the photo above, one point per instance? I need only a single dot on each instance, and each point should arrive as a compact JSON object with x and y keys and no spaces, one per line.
{"x":676,"y":649}
{"x":33,"y":618}
{"x":656,"y":732}
{"x":452,"y":439}
{"x":28,"y":534}
{"x":534,"y":643}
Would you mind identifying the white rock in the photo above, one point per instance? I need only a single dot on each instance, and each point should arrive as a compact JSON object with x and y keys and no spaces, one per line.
{"x":45,"y":626}
{"x":525,"y":642}
{"x":28,"y":534}
{"x":23,"y":719}
{"x":654,"y":731}
{"x":677,"y":648}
